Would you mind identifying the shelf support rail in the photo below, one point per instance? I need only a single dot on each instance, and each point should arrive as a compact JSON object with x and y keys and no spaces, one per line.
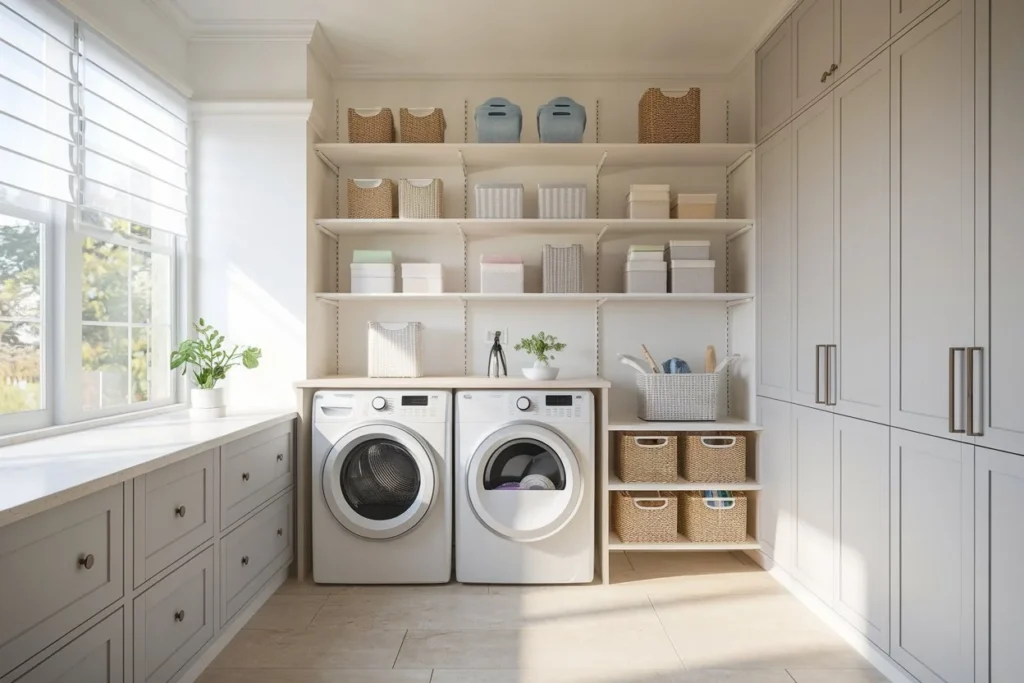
{"x":462,"y":161}
{"x":739,"y":162}
{"x":738,"y":302}
{"x":600,"y":164}
{"x":330,"y":164}
{"x":330,"y":302}
{"x":327,"y":232}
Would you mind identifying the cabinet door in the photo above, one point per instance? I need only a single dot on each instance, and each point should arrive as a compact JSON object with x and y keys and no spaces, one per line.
{"x":999,"y":315}
{"x":905,"y":12}
{"x":812,"y":454}
{"x":774,"y":81}
{"x":776,"y":521}
{"x":860,"y":361}
{"x":862,"y":528}
{"x":863,"y":27}
{"x":933,"y":220}
{"x":999,"y":491}
{"x":775,"y":259}
{"x":814,"y":39}
{"x":814,"y":206}
{"x":932,"y":510}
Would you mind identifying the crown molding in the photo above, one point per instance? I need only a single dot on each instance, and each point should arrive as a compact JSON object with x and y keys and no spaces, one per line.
{"x":323,"y":50}
{"x":361,"y":72}
{"x":255,"y":30}
{"x":178,"y":17}
{"x":252,"y":109}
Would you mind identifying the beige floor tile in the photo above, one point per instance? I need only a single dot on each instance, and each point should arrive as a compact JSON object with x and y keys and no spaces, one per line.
{"x":719,"y":646}
{"x":840,"y":676}
{"x":286,"y":612}
{"x":735,"y":608}
{"x":314,"y":676}
{"x":294,"y":587}
{"x":551,"y":676}
{"x":734,"y":676}
{"x":619,"y":562}
{"x":656,"y":564}
{"x":314,"y":648}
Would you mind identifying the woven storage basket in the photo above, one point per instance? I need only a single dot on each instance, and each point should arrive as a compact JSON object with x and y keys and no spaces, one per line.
{"x":677,"y":397}
{"x":371,"y":125}
{"x":394,"y":350}
{"x":703,"y":524}
{"x":421,"y":125}
{"x":648,"y":518}
{"x":420,"y":198}
{"x":670,"y":119}
{"x":563,"y":269}
{"x":647,"y":457}
{"x":371,"y":198}
{"x":715,"y":458}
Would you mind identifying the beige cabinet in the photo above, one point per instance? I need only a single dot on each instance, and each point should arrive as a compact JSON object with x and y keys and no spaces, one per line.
{"x":96,"y":656}
{"x":904,"y":12}
{"x":774,"y":81}
{"x":814,"y":49}
{"x":863,"y":28}
{"x":776,"y":516}
{"x":814,"y":496}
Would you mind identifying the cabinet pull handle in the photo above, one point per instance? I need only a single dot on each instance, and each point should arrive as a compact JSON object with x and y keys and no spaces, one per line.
{"x":245,"y":560}
{"x":245,"y":476}
{"x":86,"y":561}
{"x":280,"y":532}
{"x":829,"y":349}
{"x":831,"y":70}
{"x":824,"y":76}
{"x":179,"y":511}
{"x":179,"y":615}
{"x":280,"y":457}
{"x":971,"y":350}
{"x":817,"y":373}
{"x":953,"y":350}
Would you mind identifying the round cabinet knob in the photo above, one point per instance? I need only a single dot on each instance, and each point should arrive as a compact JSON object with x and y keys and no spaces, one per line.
{"x":179,"y":511}
{"x":379,"y":403}
{"x":86,"y":561}
{"x":280,"y":532}
{"x":179,"y":615}
{"x":523,"y":403}
{"x":245,"y":476}
{"x":280,"y":457}
{"x":245,"y":560}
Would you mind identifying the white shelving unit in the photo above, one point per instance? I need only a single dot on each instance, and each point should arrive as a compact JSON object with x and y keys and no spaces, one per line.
{"x":680,"y":484}
{"x":477,"y":227}
{"x":537,"y":298}
{"x":682,"y":544}
{"x":726,"y":424}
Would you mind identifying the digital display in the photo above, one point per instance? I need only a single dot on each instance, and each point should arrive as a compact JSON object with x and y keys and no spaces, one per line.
{"x":414,"y":400}
{"x":558,"y":400}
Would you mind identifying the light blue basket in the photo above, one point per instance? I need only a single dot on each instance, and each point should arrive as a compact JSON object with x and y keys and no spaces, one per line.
{"x":498,"y":120}
{"x":561,"y":120}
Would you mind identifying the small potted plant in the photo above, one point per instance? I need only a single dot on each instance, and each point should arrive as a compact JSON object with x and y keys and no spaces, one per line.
{"x":541,"y":346}
{"x":210,"y":361}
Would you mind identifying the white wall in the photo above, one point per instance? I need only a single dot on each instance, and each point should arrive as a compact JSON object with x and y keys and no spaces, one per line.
{"x":239,"y":70}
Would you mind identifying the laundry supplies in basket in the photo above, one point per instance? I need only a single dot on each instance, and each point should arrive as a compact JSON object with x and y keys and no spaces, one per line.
{"x":713,"y":516}
{"x":677,"y":397}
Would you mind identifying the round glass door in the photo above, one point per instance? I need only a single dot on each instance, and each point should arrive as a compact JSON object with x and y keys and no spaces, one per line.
{"x":379,"y":481}
{"x":524,"y":482}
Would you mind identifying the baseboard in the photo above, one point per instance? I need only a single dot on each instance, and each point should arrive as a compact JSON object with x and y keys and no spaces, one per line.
{"x":206,"y":657}
{"x":857,"y":640}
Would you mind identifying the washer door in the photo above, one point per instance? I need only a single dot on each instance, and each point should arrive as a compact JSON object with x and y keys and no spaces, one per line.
{"x":524,"y":482}
{"x":379,"y":481}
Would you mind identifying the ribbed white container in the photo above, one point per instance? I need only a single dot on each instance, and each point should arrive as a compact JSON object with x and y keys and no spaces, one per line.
{"x":563,"y":269}
{"x":394,"y":350}
{"x":499,"y":200}
{"x":420,"y":197}
{"x":561,"y":201}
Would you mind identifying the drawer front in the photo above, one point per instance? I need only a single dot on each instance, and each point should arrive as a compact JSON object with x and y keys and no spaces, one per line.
{"x":253,"y":552}
{"x":96,"y":656}
{"x":174,"y":620}
{"x":173,"y":514}
{"x":58,"y":569}
{"x":254,"y":470}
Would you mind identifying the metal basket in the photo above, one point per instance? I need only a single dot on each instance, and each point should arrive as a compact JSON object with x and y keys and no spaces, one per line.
{"x":692,"y":396}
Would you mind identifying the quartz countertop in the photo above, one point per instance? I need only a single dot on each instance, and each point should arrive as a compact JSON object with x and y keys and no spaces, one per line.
{"x":468,"y":382}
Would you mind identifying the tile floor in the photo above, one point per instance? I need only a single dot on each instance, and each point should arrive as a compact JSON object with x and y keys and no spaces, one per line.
{"x":679,"y":618}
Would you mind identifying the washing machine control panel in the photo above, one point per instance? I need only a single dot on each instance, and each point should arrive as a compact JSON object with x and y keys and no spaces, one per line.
{"x":414,"y":406}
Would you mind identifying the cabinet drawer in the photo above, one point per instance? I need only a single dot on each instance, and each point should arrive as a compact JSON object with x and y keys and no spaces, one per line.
{"x":58,"y":569}
{"x":253,"y":552}
{"x":254,"y":470}
{"x":174,"y":620}
{"x":173,"y":514}
{"x":96,"y":656}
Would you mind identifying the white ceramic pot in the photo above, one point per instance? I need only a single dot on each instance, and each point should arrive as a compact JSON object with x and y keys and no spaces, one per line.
{"x":207,"y":404}
{"x":540,"y":372}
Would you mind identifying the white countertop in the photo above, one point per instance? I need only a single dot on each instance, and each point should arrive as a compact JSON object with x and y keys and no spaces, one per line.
{"x":43,"y":474}
{"x":464,"y":382}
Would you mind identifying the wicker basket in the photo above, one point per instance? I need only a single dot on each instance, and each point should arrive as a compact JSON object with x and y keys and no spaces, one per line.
{"x":563,"y":269}
{"x":420,"y":198}
{"x":646,"y":518}
{"x":677,"y":397}
{"x":704,"y":521}
{"x":371,"y":198}
{"x":421,"y":125}
{"x":670,"y":119}
{"x":715,"y":458}
{"x":394,"y":350}
{"x":371,"y":125}
{"x":647,"y":457}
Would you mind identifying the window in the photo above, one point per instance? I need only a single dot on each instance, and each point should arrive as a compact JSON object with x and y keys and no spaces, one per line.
{"x":93,"y":216}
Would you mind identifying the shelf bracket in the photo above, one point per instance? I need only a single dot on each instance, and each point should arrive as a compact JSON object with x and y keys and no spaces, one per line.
{"x":604,"y":229}
{"x":462,"y":233}
{"x":330,"y":164}
{"x":600,"y":302}
{"x":327,"y":232}
{"x":738,"y":302}
{"x":462,"y":160}
{"x":739,"y":162}
{"x":329,"y":302}
{"x":600,"y":164}
{"x":740,"y":233}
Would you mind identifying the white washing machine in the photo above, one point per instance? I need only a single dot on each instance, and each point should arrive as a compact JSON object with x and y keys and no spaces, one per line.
{"x":524,"y":487}
{"x":382,"y":481}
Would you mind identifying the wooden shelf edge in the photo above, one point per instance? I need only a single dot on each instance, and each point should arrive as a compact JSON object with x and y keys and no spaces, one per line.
{"x":682,"y":545}
{"x":616,"y":484}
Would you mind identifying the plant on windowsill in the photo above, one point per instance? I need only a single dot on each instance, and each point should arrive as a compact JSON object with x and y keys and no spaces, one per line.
{"x":209,"y":360}
{"x":542,"y":347}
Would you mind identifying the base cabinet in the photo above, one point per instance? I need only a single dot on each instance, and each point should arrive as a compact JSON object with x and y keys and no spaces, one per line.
{"x":776,"y":518}
{"x":96,"y":656}
{"x":814,"y":497}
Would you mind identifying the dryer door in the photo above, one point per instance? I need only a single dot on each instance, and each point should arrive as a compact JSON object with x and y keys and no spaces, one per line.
{"x":379,"y":480}
{"x":524,"y":482}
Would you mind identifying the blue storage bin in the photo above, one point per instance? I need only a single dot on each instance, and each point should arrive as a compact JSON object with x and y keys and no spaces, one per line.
{"x":561,"y":120}
{"x":498,"y":120}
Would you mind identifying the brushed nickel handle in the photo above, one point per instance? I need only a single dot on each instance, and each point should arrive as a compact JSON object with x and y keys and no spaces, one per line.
{"x":971,"y":350}
{"x":179,"y":615}
{"x":824,"y":76}
{"x":829,"y":389}
{"x":953,"y":350}
{"x":280,"y":532}
{"x":280,"y":457}
{"x":86,"y":561}
{"x":831,"y":70}
{"x":179,"y":511}
{"x":245,"y":560}
{"x":817,"y":374}
{"x":245,"y":476}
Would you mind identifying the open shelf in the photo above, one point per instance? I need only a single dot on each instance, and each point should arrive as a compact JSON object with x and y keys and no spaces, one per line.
{"x":481,"y":227}
{"x":603,"y":297}
{"x":634,"y":424}
{"x":616,"y":484}
{"x":682,"y":543}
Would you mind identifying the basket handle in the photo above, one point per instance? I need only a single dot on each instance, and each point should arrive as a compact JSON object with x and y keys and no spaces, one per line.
{"x":718,"y":441}
{"x":367,"y":111}
{"x":731,"y":503}
{"x":650,"y":441}
{"x":657,"y":503}
{"x":420,"y":111}
{"x":675,"y":94}
{"x":497,"y":113}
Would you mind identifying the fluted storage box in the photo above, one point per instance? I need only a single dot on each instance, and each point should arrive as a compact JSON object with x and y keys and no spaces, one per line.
{"x":693,"y":277}
{"x":501,"y":277}
{"x":699,"y":206}
{"x":421,"y":125}
{"x":499,"y":200}
{"x":371,"y":125}
{"x":422,"y":278}
{"x":563,"y":269}
{"x":720,"y":519}
{"x":420,"y":197}
{"x":645,"y":517}
{"x":670,"y":118}
{"x":561,"y":201}
{"x":498,"y":120}
{"x":561,"y":120}
{"x":646,"y":277}
{"x":371,"y":198}
{"x":373,"y":278}
{"x":683,"y":250}
{"x":394,"y":350}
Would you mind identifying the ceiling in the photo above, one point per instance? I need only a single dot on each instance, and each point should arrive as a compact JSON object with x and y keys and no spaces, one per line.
{"x":485,"y":37}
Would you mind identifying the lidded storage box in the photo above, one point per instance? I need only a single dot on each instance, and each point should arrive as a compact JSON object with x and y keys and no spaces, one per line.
{"x":501,"y":275}
{"x":698,"y":206}
{"x":646,"y":277}
{"x":647,"y":458}
{"x":563,"y":269}
{"x":421,"y":125}
{"x":498,"y":120}
{"x":373,"y":278}
{"x":499,"y":200}
{"x":420,"y":197}
{"x":693,"y":277}
{"x":670,"y":118}
{"x":371,"y":125}
{"x":559,"y":200}
{"x":422,"y":278}
{"x":371,"y":198}
{"x":681,"y":250}
{"x":645,"y":517}
{"x":394,"y":350}
{"x":648,"y":201}
{"x":715,"y":459}
{"x":710,"y":517}
{"x":561,"y":120}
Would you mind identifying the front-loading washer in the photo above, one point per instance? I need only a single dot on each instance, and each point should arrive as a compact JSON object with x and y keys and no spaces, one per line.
{"x":524,"y":487}
{"x":382,"y":481}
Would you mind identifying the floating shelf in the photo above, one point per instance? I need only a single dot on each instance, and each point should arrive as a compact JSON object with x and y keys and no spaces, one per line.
{"x":682,"y":543}
{"x":609,"y":297}
{"x":480,"y":227}
{"x":730,"y":424}
{"x":616,"y":484}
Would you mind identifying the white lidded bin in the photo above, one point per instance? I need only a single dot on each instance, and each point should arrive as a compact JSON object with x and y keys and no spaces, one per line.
{"x":420,"y":197}
{"x":499,"y":200}
{"x":501,"y":277}
{"x":422,"y":278}
{"x":648,"y":201}
{"x":394,"y":350}
{"x":693,"y":277}
{"x":646,"y":277}
{"x":678,"y":250}
{"x":560,"y":200}
{"x":373,"y":278}
{"x":646,"y":252}
{"x":694,"y":206}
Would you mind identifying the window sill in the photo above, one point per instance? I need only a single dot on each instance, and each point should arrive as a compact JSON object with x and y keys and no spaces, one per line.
{"x":72,"y":427}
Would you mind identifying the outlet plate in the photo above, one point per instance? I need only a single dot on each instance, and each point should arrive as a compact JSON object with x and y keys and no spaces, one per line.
{"x":505,"y":339}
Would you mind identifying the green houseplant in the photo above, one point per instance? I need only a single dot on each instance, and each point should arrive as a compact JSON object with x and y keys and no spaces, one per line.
{"x":209,"y":360}
{"x":541,"y":347}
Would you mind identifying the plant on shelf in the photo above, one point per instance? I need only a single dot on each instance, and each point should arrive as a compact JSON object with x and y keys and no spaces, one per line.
{"x":209,"y":360}
{"x":542,"y":347}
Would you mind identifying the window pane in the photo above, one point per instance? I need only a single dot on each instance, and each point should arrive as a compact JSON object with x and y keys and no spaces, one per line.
{"x":105,"y":283}
{"x":20,"y":268}
{"x":151,"y":375}
{"x":105,"y":373}
{"x":20,"y":367}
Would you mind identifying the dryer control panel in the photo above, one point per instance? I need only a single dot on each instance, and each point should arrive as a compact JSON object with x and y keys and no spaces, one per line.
{"x":541,"y":406}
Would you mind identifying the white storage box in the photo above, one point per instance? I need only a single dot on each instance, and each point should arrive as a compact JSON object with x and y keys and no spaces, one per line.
{"x":693,"y":277}
{"x":373,"y":278}
{"x":394,"y":350}
{"x":422,"y":278}
{"x":420,"y":197}
{"x":646,"y":252}
{"x":699,"y":206}
{"x":501,"y":277}
{"x":649,"y":188}
{"x":646,"y":277}
{"x":561,"y":201}
{"x":648,"y":201}
{"x":678,"y":250}
{"x":499,"y":200}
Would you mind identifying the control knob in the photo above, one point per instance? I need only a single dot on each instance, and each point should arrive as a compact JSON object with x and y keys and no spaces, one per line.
{"x":523,"y":403}
{"x":378,"y":403}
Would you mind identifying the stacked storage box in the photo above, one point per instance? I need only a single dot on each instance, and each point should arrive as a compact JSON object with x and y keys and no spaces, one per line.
{"x":646,"y":270}
{"x":422,"y":278}
{"x":372,"y":272}
{"x":648,"y":201}
{"x":700,"y":206}
{"x":501,"y":275}
{"x":693,"y":271}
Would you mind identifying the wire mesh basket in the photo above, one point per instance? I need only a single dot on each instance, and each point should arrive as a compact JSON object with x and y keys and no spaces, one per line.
{"x":679,"y":397}
{"x":394,"y":350}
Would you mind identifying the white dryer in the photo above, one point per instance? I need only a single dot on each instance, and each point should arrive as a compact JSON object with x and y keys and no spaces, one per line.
{"x":524,"y":487}
{"x":382,"y":480}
